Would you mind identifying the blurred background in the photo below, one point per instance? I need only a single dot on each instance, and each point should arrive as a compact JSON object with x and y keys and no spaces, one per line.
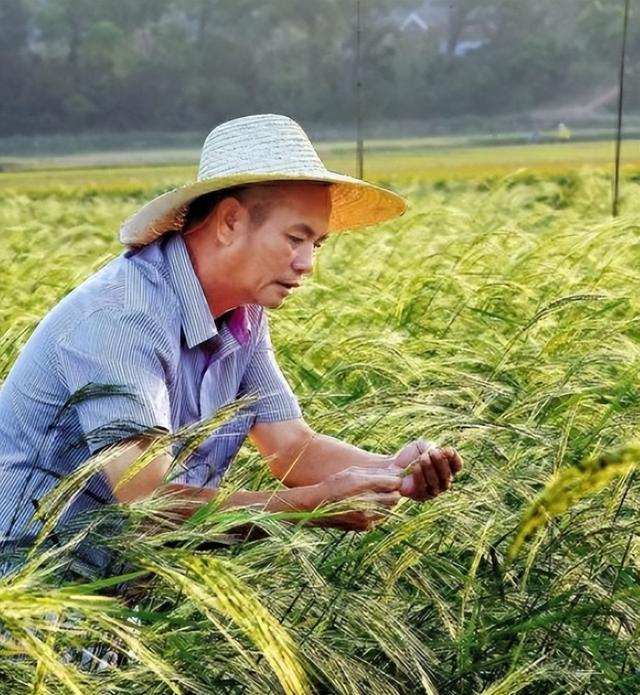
{"x":149,"y":78}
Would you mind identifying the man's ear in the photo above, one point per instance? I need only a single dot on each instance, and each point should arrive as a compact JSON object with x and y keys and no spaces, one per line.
{"x":230,"y":218}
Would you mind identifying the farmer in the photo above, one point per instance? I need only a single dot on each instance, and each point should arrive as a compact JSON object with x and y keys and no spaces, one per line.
{"x":175,"y":328}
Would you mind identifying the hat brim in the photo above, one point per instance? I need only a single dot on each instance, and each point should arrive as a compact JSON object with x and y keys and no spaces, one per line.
{"x":354,"y":204}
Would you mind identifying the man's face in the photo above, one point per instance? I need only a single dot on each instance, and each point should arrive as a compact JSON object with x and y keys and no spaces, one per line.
{"x":275,"y":256}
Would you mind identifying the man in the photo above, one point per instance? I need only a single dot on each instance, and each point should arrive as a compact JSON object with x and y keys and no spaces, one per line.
{"x":175,"y":329}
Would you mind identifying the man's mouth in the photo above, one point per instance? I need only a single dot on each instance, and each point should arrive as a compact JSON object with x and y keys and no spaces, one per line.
{"x":289,"y":285}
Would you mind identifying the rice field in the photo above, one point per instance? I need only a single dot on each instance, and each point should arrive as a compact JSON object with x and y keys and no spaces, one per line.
{"x":499,"y":315}
{"x":437,"y":158}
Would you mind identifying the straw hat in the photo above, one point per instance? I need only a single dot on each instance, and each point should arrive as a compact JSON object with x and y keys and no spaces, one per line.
{"x":255,"y":149}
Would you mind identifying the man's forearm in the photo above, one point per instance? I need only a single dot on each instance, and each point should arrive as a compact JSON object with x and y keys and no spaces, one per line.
{"x":305,"y":467}
{"x":299,"y":499}
{"x":189,"y":498}
{"x":320,"y":457}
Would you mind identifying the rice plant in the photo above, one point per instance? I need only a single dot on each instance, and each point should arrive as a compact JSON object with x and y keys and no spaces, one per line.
{"x":500,"y":315}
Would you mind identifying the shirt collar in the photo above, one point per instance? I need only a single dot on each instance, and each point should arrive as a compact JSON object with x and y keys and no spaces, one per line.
{"x":197,"y":322}
{"x":239,"y":325}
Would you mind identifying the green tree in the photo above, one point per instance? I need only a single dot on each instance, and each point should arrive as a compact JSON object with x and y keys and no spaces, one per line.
{"x":160,"y":65}
{"x":15,"y":17}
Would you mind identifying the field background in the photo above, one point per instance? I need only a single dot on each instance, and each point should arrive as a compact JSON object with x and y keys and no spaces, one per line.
{"x":500,"y":315}
{"x":432,"y":158}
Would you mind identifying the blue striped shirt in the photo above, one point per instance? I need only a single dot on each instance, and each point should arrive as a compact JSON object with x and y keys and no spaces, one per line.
{"x":142,"y":325}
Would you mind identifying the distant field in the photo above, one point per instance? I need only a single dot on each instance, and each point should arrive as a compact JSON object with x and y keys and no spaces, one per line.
{"x":384,"y":159}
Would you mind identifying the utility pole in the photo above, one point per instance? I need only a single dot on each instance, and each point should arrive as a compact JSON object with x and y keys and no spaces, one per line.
{"x":359,"y":143}
{"x":616,"y":175}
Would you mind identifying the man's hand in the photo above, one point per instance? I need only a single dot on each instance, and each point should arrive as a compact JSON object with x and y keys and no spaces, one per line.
{"x":428,"y":469}
{"x":377,"y":487}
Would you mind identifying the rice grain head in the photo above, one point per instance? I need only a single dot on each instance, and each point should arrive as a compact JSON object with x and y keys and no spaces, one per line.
{"x":571,"y":485}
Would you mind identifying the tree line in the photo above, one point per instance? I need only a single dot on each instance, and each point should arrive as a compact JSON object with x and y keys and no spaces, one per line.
{"x":68,"y":66}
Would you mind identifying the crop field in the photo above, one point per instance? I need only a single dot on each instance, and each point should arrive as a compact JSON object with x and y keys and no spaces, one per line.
{"x":427,"y":158}
{"x":500,"y":315}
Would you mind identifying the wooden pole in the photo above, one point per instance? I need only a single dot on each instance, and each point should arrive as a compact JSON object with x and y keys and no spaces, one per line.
{"x":616,"y":176}
{"x":359,"y":142}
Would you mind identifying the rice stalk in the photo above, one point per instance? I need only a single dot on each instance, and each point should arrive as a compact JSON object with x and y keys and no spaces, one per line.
{"x":572,"y":485}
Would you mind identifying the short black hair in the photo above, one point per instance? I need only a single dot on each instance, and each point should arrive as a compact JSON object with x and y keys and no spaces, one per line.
{"x":200,"y":208}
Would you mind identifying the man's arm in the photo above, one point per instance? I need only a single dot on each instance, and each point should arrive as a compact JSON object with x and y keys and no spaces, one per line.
{"x":298,"y":456}
{"x":375,"y":485}
{"x":150,"y":479}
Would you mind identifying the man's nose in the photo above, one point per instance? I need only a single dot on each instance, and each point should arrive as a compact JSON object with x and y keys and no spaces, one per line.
{"x":303,"y":261}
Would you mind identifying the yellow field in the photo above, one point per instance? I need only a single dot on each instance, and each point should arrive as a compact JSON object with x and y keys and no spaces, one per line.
{"x":384,"y":159}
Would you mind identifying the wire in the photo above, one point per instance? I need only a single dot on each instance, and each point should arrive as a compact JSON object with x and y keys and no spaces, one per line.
{"x":616,"y":176}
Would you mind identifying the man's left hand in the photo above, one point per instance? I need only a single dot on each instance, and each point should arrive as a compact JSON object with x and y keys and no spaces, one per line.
{"x":429,"y":469}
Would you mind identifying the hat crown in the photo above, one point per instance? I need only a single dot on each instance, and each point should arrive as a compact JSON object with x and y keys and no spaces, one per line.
{"x":256,"y":149}
{"x":268,"y":144}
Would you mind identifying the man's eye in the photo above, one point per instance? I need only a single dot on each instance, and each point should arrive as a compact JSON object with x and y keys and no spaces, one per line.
{"x":317,"y":244}
{"x":295,"y":239}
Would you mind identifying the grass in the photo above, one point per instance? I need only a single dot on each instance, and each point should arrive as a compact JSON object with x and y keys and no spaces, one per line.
{"x":499,"y":315}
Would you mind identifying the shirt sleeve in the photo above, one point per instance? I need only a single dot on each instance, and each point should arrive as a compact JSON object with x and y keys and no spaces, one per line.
{"x":264,"y":380}
{"x":113,"y":364}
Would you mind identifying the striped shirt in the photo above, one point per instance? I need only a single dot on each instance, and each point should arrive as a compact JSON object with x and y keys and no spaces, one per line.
{"x":134,"y":347}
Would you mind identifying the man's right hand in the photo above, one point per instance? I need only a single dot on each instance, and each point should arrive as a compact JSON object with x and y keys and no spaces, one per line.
{"x":377,"y":488}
